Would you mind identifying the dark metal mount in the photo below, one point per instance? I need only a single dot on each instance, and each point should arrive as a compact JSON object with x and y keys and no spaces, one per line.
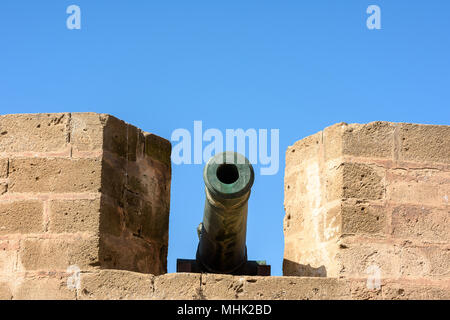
{"x":251,"y":268}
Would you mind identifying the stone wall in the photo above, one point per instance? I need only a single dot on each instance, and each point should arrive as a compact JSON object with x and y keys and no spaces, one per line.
{"x":79,"y":191}
{"x":370,"y":201}
{"x":84,"y":211}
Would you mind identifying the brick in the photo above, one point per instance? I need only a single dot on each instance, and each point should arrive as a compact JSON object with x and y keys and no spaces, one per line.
{"x":225,"y":287}
{"x":115,"y":285}
{"x":333,"y":141}
{"x":136,"y":144}
{"x":427,"y":143}
{"x":113,"y":177}
{"x":361,"y":259}
{"x":363,"y":218}
{"x":115,"y":136}
{"x":21,"y":217}
{"x":133,"y":134}
{"x":54,"y":175}
{"x":365,"y":290}
{"x":34,"y":132}
{"x":221,"y":287}
{"x":87,"y":131}
{"x":44,"y":287}
{"x":72,"y":216}
{"x":334,"y":181}
{"x":354,"y":180}
{"x":305,"y":149}
{"x":5,"y":291}
{"x":330,"y":223}
{"x":59,"y":254}
{"x":413,"y":262}
{"x":111,"y":217}
{"x":3,"y":168}
{"x":415,"y":290}
{"x":3,"y":188}
{"x":177,"y":286}
{"x":438,"y":259}
{"x":8,"y":256}
{"x":362,"y":181}
{"x":420,"y":223}
{"x":372,"y":140}
{"x":291,"y":268}
{"x":409,"y":189}
{"x":132,"y":253}
{"x":158,"y":148}
{"x":145,"y":219}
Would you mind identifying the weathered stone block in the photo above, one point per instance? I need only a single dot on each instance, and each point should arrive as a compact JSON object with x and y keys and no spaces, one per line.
{"x":115,"y":285}
{"x":225,"y":287}
{"x":59,"y":254}
{"x":364,"y":196}
{"x":4,"y":168}
{"x":363,"y":218}
{"x":361,"y":259}
{"x":72,"y":216}
{"x":178,"y":286}
{"x":3,"y":188}
{"x":129,"y":252}
{"x":354,"y":180}
{"x":362,"y":181}
{"x":5,"y":291}
{"x":115,"y":138}
{"x":304,"y":150}
{"x":416,"y":290}
{"x":429,"y":189}
{"x":421,"y":223}
{"x":428,"y":143}
{"x":34,"y":132}
{"x":44,"y":286}
{"x":87,"y":131}
{"x":21,"y":217}
{"x":8,"y":257}
{"x":54,"y":175}
{"x":372,"y":140}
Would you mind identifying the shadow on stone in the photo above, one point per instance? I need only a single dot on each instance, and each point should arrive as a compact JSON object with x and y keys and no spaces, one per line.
{"x":291,"y":268}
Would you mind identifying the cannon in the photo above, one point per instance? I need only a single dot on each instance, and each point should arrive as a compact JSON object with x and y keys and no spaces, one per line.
{"x":228,"y":178}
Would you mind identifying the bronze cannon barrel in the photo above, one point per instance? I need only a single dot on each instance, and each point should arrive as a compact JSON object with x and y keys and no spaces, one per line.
{"x":228,"y":180}
{"x":228,"y":177}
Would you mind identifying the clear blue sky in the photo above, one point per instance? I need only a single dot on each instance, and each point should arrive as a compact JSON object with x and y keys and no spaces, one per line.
{"x":297,"y":66}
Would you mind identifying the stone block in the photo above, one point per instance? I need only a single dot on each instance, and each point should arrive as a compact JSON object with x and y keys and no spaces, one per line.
{"x":21,"y":217}
{"x":54,"y":175}
{"x":34,"y":132}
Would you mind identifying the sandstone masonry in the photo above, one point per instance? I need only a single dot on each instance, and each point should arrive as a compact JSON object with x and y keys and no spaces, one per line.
{"x":370,"y":200}
{"x":80,"y":190}
{"x":84,"y":213}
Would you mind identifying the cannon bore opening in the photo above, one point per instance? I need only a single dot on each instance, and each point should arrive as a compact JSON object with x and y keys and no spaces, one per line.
{"x":227,"y":173}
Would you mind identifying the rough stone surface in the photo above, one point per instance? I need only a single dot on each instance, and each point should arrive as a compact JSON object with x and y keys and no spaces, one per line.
{"x":21,"y":217}
{"x":365,"y":199}
{"x":34,"y":132}
{"x":115,"y":285}
{"x":54,"y":175}
{"x":85,"y":199}
{"x":424,"y":143}
{"x":3,"y":168}
{"x":125,"y":285}
{"x":81,"y":190}
{"x":72,"y":216}
{"x":178,"y":286}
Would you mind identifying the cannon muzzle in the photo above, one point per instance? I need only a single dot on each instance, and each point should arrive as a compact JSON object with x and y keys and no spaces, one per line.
{"x":228,"y":178}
